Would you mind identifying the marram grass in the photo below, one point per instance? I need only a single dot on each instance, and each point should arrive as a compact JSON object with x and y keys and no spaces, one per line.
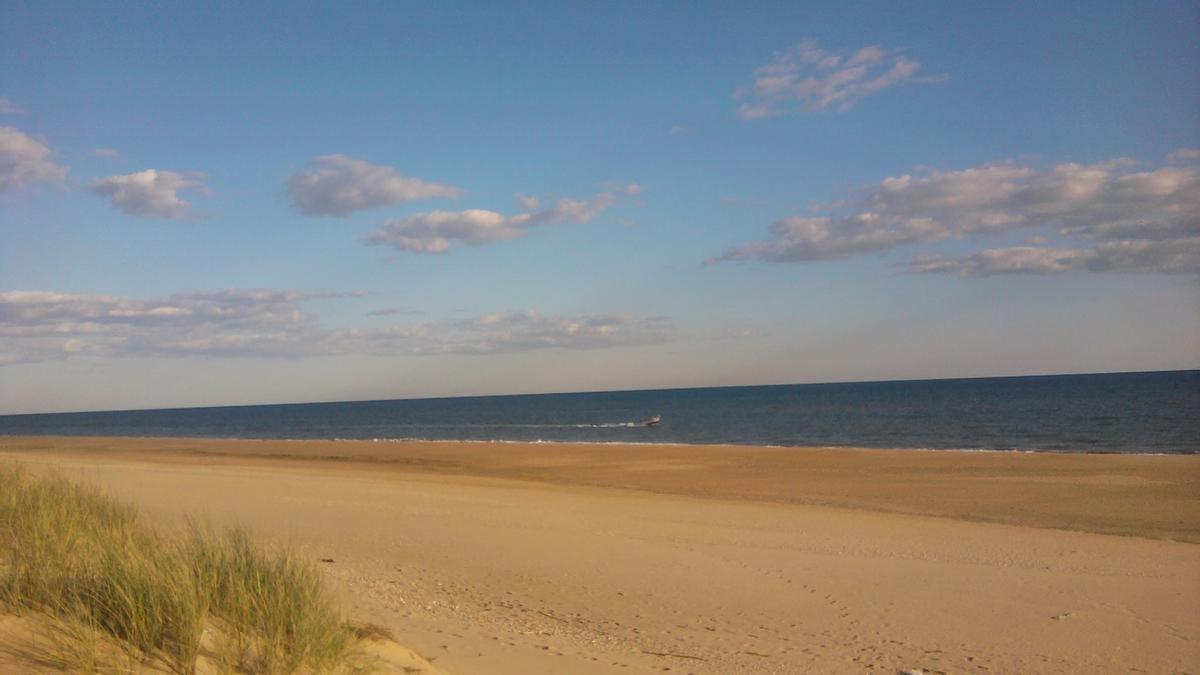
{"x":100,"y":582}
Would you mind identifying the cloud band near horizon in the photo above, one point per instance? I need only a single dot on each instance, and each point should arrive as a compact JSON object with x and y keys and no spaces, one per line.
{"x":43,"y":326}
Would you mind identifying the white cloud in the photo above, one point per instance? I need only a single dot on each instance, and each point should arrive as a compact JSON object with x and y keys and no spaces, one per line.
{"x":801,"y":238}
{"x":513,"y":332}
{"x":1015,"y":260}
{"x":1172,"y":256}
{"x":1183,"y":155}
{"x":152,"y":193}
{"x":25,"y":160}
{"x":105,"y":153}
{"x":336,"y":185}
{"x":528,"y":202}
{"x":436,"y":231}
{"x":432,"y":232}
{"x":808,"y":78}
{"x":1129,"y":221}
{"x":7,"y":107}
{"x":42,"y":325}
{"x":1176,"y":256}
{"x":393,"y":311}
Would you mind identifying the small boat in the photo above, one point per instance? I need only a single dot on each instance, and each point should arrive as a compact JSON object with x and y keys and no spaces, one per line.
{"x":652,"y":421}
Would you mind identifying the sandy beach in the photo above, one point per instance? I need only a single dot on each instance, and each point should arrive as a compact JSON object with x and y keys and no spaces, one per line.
{"x":539,"y":558}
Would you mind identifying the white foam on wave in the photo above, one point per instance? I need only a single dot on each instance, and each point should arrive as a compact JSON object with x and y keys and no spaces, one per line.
{"x":548,"y":441}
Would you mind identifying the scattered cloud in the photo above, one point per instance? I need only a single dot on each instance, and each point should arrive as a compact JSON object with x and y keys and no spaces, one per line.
{"x":807,"y":78}
{"x":153,"y":193}
{"x":528,"y":202}
{"x":432,"y":232}
{"x":682,"y":130}
{"x":739,"y":333}
{"x":25,"y":160}
{"x":1184,"y":155}
{"x":393,"y":311}
{"x":42,"y":325}
{"x":7,"y":107}
{"x":1170,"y":256}
{"x":105,"y":153}
{"x":1123,"y":219}
{"x":1015,"y":260}
{"x":801,"y":238}
{"x":337,"y":185}
{"x":513,"y":332}
{"x":1176,"y":256}
{"x":436,"y":231}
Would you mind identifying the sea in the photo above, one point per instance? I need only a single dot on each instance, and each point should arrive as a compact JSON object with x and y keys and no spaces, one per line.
{"x":1153,"y":412}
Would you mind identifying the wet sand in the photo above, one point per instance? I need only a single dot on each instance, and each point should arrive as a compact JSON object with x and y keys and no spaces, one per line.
{"x":526,"y":558}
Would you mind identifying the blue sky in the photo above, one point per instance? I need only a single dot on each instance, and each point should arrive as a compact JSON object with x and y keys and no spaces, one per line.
{"x":211,"y":204}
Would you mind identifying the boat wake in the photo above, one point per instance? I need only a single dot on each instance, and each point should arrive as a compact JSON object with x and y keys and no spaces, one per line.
{"x":499,"y":425}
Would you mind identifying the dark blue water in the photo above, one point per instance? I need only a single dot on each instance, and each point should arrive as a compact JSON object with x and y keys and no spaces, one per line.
{"x":1127,"y":412}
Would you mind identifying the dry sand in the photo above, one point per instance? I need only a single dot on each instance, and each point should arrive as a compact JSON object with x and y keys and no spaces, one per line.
{"x":529,"y":558}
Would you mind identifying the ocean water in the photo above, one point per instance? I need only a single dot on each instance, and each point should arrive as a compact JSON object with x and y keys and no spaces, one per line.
{"x":1155,"y":412}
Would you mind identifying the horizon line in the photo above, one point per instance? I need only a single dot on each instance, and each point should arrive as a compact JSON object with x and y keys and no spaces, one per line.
{"x":596,"y":391}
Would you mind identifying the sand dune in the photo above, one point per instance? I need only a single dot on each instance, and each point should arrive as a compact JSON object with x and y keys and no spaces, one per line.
{"x":600,"y":559}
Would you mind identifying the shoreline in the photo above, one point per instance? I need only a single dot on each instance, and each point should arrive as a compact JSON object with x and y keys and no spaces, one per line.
{"x":601,"y":559}
{"x":502,"y":441}
{"x":1143,"y":495}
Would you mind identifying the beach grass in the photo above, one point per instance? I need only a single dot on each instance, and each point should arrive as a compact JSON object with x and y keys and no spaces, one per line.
{"x":101,"y":582}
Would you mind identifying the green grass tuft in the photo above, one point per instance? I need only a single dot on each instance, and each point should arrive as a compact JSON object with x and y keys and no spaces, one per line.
{"x":73,"y":554}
